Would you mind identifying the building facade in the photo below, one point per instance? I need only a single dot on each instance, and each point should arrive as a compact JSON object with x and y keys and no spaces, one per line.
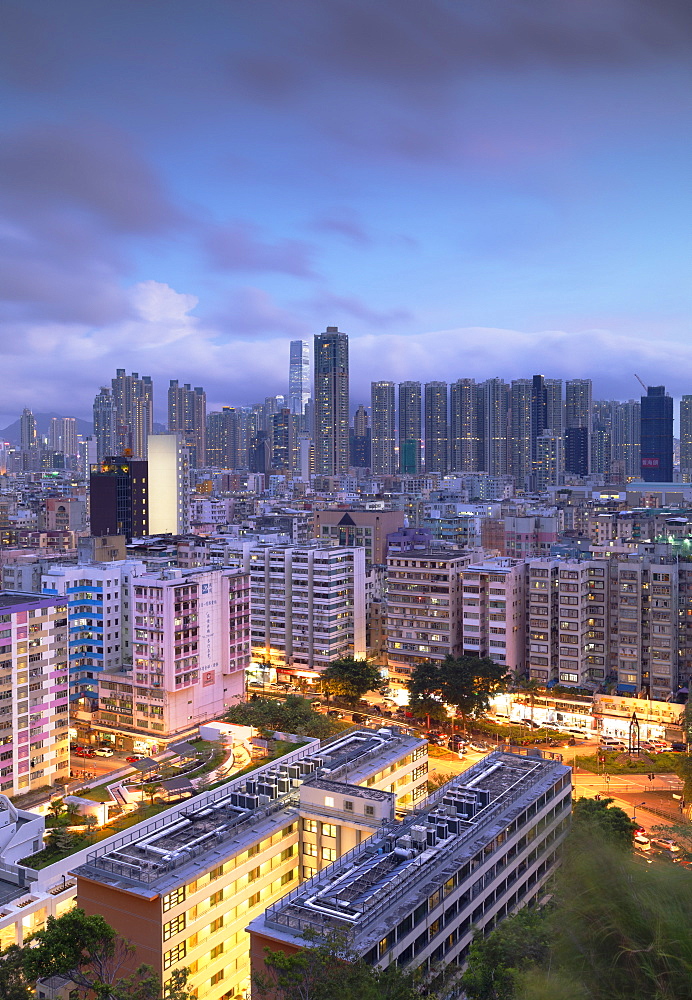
{"x":331,"y":401}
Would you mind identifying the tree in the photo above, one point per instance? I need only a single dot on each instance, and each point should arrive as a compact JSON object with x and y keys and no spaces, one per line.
{"x":13,"y":983}
{"x":153,"y":789}
{"x":60,"y":840}
{"x":602,"y":818}
{"x":294,"y":715}
{"x":57,"y":808}
{"x":328,"y":969}
{"x":468,"y":681}
{"x":88,"y":951}
{"x":424,"y":689}
{"x":518,"y":942}
{"x":351,"y":679}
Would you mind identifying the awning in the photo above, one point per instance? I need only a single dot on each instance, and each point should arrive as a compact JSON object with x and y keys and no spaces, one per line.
{"x":184,"y":749}
{"x":178,"y":785}
{"x":148,"y":764}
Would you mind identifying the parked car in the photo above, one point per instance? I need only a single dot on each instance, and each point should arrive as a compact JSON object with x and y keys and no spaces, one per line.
{"x":641,"y":841}
{"x":104,"y":751}
{"x":455,"y":741}
{"x":84,"y":752}
{"x":478,"y":747}
{"x":436,"y":738}
{"x":665,"y":844}
{"x":678,"y":747}
{"x":135,"y":757}
{"x":356,"y":717}
{"x":335,"y":713}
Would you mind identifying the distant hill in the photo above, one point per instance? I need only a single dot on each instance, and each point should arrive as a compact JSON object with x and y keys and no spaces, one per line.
{"x":12,"y":432}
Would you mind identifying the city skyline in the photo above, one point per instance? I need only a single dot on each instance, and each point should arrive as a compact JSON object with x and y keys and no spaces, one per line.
{"x":465,"y":189}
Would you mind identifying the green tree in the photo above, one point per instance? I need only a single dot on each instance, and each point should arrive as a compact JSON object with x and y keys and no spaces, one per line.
{"x":601,"y":818}
{"x":95,"y":958}
{"x":61,"y":841}
{"x":152,"y":790}
{"x":327,"y":969}
{"x":294,"y":715}
{"x":351,"y":679}
{"x":519,"y":942}
{"x":425,"y":695}
{"x":57,"y":808}
{"x":466,"y":682}
{"x":13,"y":982}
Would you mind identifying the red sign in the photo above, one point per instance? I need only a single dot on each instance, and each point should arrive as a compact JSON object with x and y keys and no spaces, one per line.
{"x":649,"y":463}
{"x":208,"y":678}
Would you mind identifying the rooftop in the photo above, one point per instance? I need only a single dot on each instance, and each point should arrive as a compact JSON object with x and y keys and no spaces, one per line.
{"x":182,"y":842}
{"x":402,"y":864}
{"x":18,"y":601}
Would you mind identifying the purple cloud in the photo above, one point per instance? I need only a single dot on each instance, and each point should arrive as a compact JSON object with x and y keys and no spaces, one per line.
{"x":343,"y":223}
{"x":239,"y":247}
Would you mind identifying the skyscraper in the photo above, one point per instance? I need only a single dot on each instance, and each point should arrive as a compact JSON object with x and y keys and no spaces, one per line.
{"x":62,"y":435}
{"x":360,"y":439}
{"x":27,"y":430}
{"x":187,"y":416}
{"x":409,"y":428}
{"x":284,"y":444}
{"x":133,"y":402}
{"x":520,"y":443}
{"x":118,"y":493}
{"x":626,"y":439}
{"x":463,"y":426}
{"x":578,"y":418}
{"x":104,"y":424}
{"x":222,"y":439}
{"x":686,"y":438}
{"x":657,"y":435}
{"x":436,"y":431}
{"x":383,"y":440}
{"x":331,"y":403}
{"x":493,"y":406}
{"x":168,"y":484}
{"x":299,"y":376}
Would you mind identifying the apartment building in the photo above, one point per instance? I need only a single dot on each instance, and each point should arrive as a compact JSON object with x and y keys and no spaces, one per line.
{"x":308,"y":606}
{"x":184,"y":886}
{"x":542,"y":618}
{"x":493,"y":608}
{"x":190,"y":650}
{"x":34,"y":692}
{"x":416,"y":893}
{"x":98,"y":618}
{"x":355,"y":527}
{"x":424,"y":608}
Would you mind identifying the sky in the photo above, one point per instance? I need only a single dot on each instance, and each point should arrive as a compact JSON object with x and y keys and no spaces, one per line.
{"x":467,"y":188}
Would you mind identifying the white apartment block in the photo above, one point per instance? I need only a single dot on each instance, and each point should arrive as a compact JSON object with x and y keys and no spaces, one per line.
{"x":424,"y":608}
{"x":190,"y":650}
{"x":98,"y":613}
{"x":168,"y":484}
{"x":308,"y":606}
{"x":34,"y":705}
{"x":493,"y":600}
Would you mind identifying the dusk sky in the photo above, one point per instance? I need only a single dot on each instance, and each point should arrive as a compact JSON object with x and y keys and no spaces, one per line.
{"x":468,"y":189}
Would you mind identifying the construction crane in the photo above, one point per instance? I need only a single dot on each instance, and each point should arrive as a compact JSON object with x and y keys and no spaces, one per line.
{"x":644,"y":387}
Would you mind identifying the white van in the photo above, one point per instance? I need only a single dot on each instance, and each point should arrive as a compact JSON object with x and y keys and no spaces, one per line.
{"x":611,"y":743}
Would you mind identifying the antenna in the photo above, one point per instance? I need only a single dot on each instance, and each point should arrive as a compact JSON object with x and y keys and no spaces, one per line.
{"x":644,"y":387}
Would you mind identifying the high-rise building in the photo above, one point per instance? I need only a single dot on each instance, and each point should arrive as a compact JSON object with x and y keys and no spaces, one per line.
{"x":555,"y":406}
{"x":284,"y":442}
{"x":189,"y":654}
{"x":99,"y":630}
{"x":331,"y":403}
{"x":360,"y":439}
{"x":118,"y":495}
{"x":62,"y":435}
{"x":686,"y":438}
{"x":187,"y":416}
{"x":168,"y":484}
{"x":463,"y":426}
{"x":299,"y":377}
{"x":104,"y":424}
{"x":27,"y":430}
{"x":493,"y":417}
{"x":626,"y":439}
{"x":549,"y":466}
{"x":657,"y":436}
{"x":494,"y":596}
{"x":409,"y":428}
{"x":436,"y":430}
{"x":34,"y":712}
{"x":383,"y":440}
{"x":133,"y":402}
{"x":520,"y":442}
{"x":222,"y":439}
{"x":578,"y":417}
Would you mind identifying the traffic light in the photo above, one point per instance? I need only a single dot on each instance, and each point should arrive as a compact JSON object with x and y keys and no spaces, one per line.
{"x":651,"y":777}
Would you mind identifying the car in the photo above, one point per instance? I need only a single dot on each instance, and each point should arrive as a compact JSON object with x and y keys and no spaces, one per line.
{"x":666,"y":844}
{"x":357,"y":717}
{"x":135,"y":757}
{"x":84,"y":752}
{"x":335,"y":713}
{"x":436,"y":737}
{"x":478,"y":747}
{"x":641,"y":841}
{"x":104,"y":751}
{"x":455,"y":741}
{"x":678,"y":748}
